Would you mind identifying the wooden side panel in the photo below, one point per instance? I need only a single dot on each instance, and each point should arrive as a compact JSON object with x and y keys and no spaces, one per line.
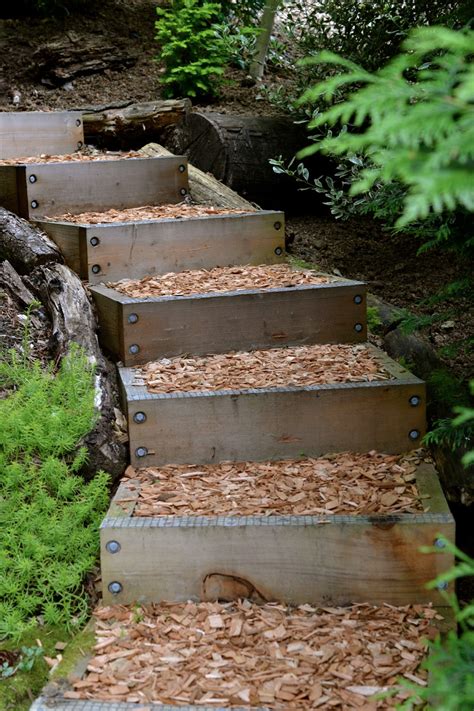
{"x":100,"y":185}
{"x":24,"y":134}
{"x":8,"y":187}
{"x":346,"y":561}
{"x":69,"y":239}
{"x":136,"y":250}
{"x":274,"y":424}
{"x":111,"y":326}
{"x":241,"y":321}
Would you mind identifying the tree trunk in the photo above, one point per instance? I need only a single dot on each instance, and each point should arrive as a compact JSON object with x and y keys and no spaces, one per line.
{"x":129,"y":126}
{"x":257,"y":67}
{"x":237,"y":150}
{"x":70,"y":312}
{"x":204,"y":188}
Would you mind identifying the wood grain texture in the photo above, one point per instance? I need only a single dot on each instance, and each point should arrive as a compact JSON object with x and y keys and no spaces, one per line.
{"x":70,"y":240}
{"x":273,"y":423}
{"x":99,"y":185}
{"x":8,"y":188}
{"x":330,"y":560}
{"x":134,"y":250}
{"x":239,"y":320}
{"x":26,"y":133}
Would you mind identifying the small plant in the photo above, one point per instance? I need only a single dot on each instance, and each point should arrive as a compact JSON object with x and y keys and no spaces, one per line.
{"x":49,"y":517}
{"x":374,"y":322}
{"x":192,"y":48}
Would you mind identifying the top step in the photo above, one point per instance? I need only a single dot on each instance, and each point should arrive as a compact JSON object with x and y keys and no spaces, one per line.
{"x":33,"y":133}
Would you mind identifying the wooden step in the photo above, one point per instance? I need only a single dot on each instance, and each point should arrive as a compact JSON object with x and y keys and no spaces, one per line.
{"x":243,"y":656}
{"x":324,"y":559}
{"x":38,"y":190}
{"x":126,"y":250}
{"x":281,"y":422}
{"x":31,"y":133}
{"x":137,"y":330}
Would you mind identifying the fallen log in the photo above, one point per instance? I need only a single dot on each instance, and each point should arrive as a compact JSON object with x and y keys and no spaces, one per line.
{"x":203,"y":187}
{"x":39,"y":272}
{"x":73,"y":55}
{"x":237,"y":150}
{"x":127,"y":126}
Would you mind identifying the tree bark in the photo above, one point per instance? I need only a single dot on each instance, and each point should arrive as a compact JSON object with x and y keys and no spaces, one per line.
{"x":203,"y":187}
{"x":237,"y":150}
{"x":23,"y":245}
{"x":257,"y":66}
{"x":129,"y":126}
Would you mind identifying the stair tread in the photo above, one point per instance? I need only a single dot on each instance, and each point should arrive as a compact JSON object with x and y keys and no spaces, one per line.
{"x":222,"y":279}
{"x":69,"y":158}
{"x":345,"y":483}
{"x":253,"y":654}
{"x":148,"y":213}
{"x":274,"y":367}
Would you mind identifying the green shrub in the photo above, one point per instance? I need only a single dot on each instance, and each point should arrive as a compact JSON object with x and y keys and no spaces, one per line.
{"x":192,"y":48}
{"x":366,"y":32}
{"x":49,"y":517}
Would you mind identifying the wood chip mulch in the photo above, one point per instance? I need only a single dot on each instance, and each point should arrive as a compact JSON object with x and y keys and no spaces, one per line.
{"x":344,"y":483}
{"x":146,"y":212}
{"x":243,"y":654}
{"x":289,"y":366}
{"x":69,"y":158}
{"x":219,"y":279}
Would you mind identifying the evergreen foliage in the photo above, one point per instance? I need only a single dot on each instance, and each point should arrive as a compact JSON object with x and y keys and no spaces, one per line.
{"x":49,"y":517}
{"x":418,"y":131}
{"x":192,"y":48}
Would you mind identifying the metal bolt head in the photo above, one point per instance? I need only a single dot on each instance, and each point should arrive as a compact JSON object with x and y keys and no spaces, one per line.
{"x":132,"y":318}
{"x":357,"y":299}
{"x":115,"y":587}
{"x":95,"y":268}
{"x":358,"y":328}
{"x":182,"y":168}
{"x":79,"y":145}
{"x":113,"y":546}
{"x":414,"y":434}
{"x":78,"y":122}
{"x":139,"y":418}
{"x":278,"y":251}
{"x":141,"y":452}
{"x":94,"y":241}
{"x":442,"y":586}
{"x":440,"y":544}
{"x":183,"y":191}
{"x":414,"y":400}
{"x":134,"y":349}
{"x":34,"y":204}
{"x":32,"y":178}
{"x":277,"y":225}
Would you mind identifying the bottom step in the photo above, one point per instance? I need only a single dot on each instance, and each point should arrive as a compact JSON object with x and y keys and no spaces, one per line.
{"x":285,"y":531}
{"x":244,"y":655}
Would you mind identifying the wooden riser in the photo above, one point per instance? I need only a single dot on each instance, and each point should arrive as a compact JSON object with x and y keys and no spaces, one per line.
{"x":274,"y":423}
{"x":132,"y":250}
{"x":31,"y":133}
{"x":36,"y":190}
{"x":217,"y":323}
{"x":322,"y":560}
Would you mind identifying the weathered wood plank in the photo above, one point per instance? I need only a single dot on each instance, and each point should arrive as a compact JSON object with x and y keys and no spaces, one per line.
{"x":330,"y":560}
{"x":74,"y":187}
{"x":31,"y":133}
{"x":240,"y":320}
{"x":273,"y":423}
{"x":134,"y":250}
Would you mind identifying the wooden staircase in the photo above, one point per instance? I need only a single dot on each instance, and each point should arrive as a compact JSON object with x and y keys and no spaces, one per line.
{"x":321,"y":559}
